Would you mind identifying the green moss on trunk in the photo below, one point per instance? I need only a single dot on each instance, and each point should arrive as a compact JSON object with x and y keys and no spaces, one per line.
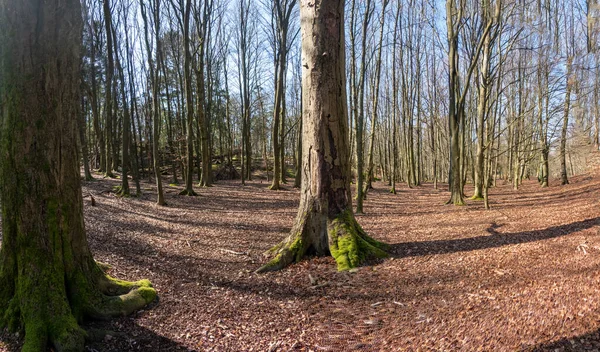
{"x":350,"y":245}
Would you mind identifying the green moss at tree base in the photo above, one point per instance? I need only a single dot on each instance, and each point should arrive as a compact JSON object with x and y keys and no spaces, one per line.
{"x":350,"y":245}
{"x":292,"y":250}
{"x":191,"y":193}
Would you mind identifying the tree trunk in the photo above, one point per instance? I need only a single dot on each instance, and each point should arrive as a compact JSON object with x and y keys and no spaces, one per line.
{"x":481,"y":115}
{"x":187,"y":61}
{"x":49,"y":281}
{"x":565,"y":127}
{"x":126,"y":129}
{"x":277,"y":115}
{"x":156,"y":123}
{"x":360,"y":118}
{"x":108,"y":130}
{"x":84,"y":148}
{"x":325,"y":223}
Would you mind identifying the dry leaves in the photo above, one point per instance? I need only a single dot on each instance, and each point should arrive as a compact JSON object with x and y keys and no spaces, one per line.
{"x":523,"y":276}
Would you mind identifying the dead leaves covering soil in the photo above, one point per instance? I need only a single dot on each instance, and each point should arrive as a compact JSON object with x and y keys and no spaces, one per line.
{"x":523,"y":276}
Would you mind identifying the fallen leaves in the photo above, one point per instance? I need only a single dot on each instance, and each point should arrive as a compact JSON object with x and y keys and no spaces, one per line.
{"x":523,"y":276}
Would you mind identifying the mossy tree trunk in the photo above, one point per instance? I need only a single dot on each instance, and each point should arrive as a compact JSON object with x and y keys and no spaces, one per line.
{"x":325,"y":223}
{"x":49,"y":280}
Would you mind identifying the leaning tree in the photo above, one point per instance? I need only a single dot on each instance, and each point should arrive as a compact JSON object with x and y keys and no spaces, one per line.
{"x":325,"y":223}
{"x":49,"y":280}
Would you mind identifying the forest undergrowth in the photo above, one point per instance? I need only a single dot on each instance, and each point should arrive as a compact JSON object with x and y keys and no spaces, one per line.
{"x":521,"y":276}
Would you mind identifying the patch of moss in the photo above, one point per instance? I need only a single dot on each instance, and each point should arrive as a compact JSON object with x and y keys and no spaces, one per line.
{"x":349,"y":245}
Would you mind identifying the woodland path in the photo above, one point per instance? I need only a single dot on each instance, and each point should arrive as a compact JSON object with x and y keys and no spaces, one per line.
{"x":522,"y":276}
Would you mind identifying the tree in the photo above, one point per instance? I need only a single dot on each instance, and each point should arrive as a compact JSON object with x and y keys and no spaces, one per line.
{"x":154,"y":78}
{"x":565,"y":126}
{"x":325,"y":223}
{"x":110,"y":69}
{"x":49,"y":280}
{"x":187,"y":61}
{"x":281,"y":12}
{"x":457,"y":94}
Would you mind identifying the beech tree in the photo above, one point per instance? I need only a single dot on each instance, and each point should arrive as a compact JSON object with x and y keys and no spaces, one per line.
{"x":325,"y":223}
{"x":49,"y":280}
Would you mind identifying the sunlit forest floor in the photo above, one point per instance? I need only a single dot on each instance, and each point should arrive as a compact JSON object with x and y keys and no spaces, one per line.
{"x":524,"y":275}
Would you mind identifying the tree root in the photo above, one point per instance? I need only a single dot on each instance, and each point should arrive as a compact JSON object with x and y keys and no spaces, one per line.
{"x":49,"y":309}
{"x":348,"y":244}
{"x":190,"y":193}
{"x":291,"y":250}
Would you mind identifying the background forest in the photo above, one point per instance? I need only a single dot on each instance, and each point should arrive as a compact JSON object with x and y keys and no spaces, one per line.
{"x":216,"y":84}
{"x":202,"y":127}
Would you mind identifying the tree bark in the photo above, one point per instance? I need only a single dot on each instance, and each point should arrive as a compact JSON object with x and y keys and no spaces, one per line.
{"x":187,"y":62}
{"x":565,"y":127}
{"x":49,"y":280}
{"x":325,"y":223}
{"x":108,"y":106}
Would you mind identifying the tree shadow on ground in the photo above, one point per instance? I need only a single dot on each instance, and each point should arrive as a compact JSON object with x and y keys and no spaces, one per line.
{"x":493,"y":240}
{"x":585,"y":342}
{"x":131,"y":337}
{"x":117,"y":337}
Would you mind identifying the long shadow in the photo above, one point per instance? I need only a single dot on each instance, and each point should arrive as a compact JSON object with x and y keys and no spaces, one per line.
{"x":585,"y":342}
{"x":129,"y":337}
{"x":494,"y":240}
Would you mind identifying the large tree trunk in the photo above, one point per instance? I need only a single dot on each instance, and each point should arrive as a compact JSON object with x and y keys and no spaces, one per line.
{"x":49,"y":280}
{"x":325,"y":223}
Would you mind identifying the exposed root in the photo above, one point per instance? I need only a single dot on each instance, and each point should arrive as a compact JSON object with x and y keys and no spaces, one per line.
{"x":190,"y":193}
{"x":104,"y":266}
{"x":123,"y":193}
{"x":50,"y":309}
{"x":291,"y":250}
{"x":350,"y":245}
{"x":125,"y":304}
{"x":456,"y":200}
{"x":114,"y":287}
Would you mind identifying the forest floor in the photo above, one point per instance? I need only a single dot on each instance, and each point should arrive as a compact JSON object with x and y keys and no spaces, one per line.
{"x":522,"y":276}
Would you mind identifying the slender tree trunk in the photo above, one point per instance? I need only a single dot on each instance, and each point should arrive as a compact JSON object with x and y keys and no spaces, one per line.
{"x":156,"y":120}
{"x":360,"y":118}
{"x":84,"y":148}
{"x":189,"y":103}
{"x":108,"y":107}
{"x":481,"y":110}
{"x":565,"y":127}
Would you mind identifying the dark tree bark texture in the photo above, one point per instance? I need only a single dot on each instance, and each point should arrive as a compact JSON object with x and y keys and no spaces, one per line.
{"x":49,"y":280}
